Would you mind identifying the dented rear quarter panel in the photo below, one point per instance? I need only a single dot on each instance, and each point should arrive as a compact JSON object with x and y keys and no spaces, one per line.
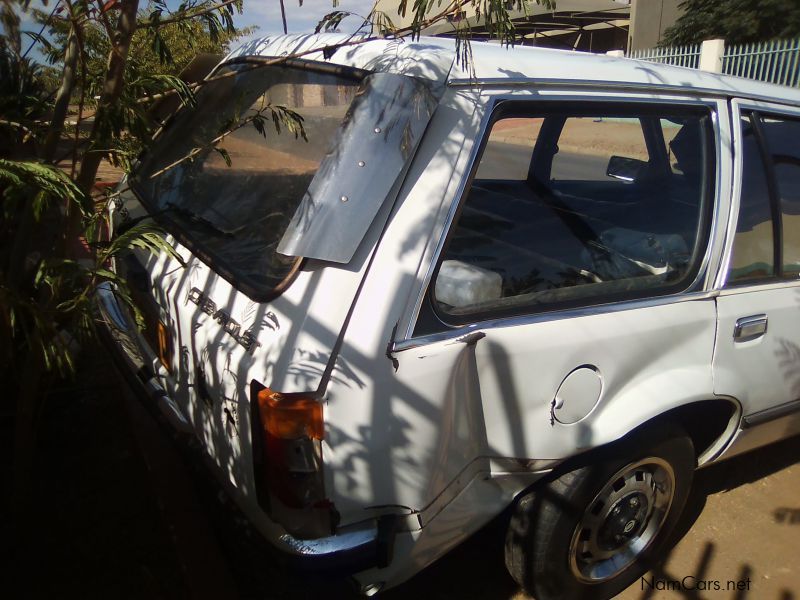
{"x":426,"y":420}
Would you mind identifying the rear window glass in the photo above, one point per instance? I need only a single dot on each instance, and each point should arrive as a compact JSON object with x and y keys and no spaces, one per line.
{"x":229,"y":179}
{"x":581,"y":205}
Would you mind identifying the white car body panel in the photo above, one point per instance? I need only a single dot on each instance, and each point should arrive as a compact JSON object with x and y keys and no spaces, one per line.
{"x":444,"y":430}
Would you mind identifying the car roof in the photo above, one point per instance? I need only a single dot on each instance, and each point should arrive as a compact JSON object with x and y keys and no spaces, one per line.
{"x":427,"y":59}
{"x":434,"y":59}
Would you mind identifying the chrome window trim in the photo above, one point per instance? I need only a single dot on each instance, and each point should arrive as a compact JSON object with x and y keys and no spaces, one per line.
{"x":737,"y":106}
{"x":407,"y":338}
{"x":722,"y":201}
{"x":614,"y":86}
{"x":769,"y":107}
{"x":763,"y":285}
{"x":542,"y":317}
{"x":721,"y":277}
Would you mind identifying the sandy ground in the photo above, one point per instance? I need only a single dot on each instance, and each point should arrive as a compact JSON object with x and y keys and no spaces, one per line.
{"x":742,"y":524}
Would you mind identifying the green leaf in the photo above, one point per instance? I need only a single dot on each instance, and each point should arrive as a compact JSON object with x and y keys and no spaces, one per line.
{"x":146,"y":236}
{"x":42,"y":184}
{"x":224,"y":154}
{"x":107,"y":275}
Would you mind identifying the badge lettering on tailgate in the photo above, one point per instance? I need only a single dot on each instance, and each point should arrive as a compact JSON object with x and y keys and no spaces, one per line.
{"x":229,"y":325}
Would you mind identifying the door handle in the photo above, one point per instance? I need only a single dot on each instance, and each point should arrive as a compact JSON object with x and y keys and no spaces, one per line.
{"x":748,"y":328}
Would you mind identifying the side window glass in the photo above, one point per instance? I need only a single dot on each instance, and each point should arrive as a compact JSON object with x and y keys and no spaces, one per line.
{"x":560,"y":215}
{"x":753,"y":245}
{"x":591,"y":142}
{"x":508,"y":150}
{"x":782,"y":137}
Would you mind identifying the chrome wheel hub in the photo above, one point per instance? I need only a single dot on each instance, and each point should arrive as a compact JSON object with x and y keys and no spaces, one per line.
{"x":622,"y":520}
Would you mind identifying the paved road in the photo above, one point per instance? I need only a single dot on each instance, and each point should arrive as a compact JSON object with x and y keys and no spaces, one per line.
{"x":511,"y":161}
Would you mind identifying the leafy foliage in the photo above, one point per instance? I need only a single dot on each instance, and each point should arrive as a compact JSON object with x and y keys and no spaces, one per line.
{"x":736,"y":21}
{"x":332,"y":20}
{"x":22,"y":180}
{"x":23,"y":98}
{"x":27,"y":300}
{"x":52,"y":301}
{"x":162,"y":46}
{"x":52,"y":258}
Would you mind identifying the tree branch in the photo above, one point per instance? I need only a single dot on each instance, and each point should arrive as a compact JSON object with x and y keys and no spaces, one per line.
{"x":184,"y":16}
{"x":71,"y":54}
{"x":195,"y":151}
{"x":16,"y":125}
{"x":112,"y":89}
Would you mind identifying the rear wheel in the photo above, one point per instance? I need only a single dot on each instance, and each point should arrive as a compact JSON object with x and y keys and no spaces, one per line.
{"x":591,"y":532}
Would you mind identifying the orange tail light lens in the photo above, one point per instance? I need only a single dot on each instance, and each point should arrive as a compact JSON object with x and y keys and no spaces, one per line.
{"x":164,"y":346}
{"x":290,"y":416}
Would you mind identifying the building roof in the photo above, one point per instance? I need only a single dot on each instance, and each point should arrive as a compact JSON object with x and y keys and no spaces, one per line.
{"x":568,"y":24}
{"x":492,"y":64}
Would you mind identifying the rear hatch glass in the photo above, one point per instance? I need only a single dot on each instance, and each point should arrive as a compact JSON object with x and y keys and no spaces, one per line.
{"x":227,"y":175}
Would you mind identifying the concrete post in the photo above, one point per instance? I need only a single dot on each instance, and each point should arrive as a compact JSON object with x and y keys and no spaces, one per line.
{"x":711,"y":53}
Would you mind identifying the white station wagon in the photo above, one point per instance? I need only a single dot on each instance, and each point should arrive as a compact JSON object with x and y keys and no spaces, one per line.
{"x":548,"y":285}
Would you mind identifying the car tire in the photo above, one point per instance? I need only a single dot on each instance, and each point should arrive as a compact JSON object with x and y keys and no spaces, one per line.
{"x":592,"y":531}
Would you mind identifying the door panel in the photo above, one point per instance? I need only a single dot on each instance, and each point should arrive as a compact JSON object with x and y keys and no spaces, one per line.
{"x":759,"y":370}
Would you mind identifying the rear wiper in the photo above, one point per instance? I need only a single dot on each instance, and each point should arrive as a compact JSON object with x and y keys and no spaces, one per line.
{"x":178,"y":210}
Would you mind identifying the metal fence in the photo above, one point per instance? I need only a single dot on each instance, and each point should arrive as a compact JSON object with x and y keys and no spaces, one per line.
{"x":775,"y":62}
{"x":680,"y":56}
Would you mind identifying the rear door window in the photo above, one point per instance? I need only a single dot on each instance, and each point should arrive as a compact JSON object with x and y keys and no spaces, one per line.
{"x":753,"y":244}
{"x":767,"y":241}
{"x":782,"y":136}
{"x":579,"y":204}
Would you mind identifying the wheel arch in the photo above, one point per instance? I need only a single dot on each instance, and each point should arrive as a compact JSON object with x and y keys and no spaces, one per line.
{"x":709,"y":423}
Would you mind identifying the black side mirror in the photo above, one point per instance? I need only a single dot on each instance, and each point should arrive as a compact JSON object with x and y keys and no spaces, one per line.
{"x":624,"y":168}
